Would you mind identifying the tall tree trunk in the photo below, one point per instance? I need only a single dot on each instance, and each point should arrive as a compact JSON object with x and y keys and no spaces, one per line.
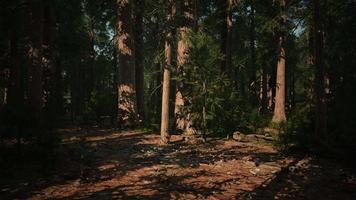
{"x":35,"y":69}
{"x":291,"y":91}
{"x":252,"y":68}
{"x":126,"y":88}
{"x":264,"y":92}
{"x":138,"y":38}
{"x":167,"y":75}
{"x":226,"y":37}
{"x":320,"y":75}
{"x":183,"y":120}
{"x":279,"y":115}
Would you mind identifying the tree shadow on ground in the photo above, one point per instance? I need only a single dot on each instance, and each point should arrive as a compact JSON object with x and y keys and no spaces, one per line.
{"x":103,"y":164}
{"x":307,"y":178}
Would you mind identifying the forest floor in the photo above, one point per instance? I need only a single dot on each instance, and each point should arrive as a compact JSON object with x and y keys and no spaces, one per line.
{"x":106,"y":164}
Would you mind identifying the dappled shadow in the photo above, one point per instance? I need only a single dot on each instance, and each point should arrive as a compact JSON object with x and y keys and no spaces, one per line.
{"x":308,"y":178}
{"x":106,"y":164}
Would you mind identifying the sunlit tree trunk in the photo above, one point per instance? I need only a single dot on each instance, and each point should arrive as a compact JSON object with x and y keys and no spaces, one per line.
{"x":183,"y":121}
{"x":279,"y":107}
{"x":279,"y":115}
{"x":138,"y":34}
{"x":167,"y":75}
{"x":127,"y":113}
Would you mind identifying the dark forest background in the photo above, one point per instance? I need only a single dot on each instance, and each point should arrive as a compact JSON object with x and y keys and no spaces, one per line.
{"x":282,"y":68}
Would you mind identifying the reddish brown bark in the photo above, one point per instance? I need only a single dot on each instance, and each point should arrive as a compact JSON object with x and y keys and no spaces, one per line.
{"x":279,"y":115}
{"x":183,"y":121}
{"x":167,"y":76}
{"x":126,"y":85}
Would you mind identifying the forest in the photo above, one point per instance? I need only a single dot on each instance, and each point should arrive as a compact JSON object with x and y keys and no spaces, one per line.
{"x":177,"y":99}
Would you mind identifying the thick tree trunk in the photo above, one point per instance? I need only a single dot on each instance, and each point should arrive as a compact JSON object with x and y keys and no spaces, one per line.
{"x":167,"y":76}
{"x":179,"y":102}
{"x":138,"y":38}
{"x":320,"y":75}
{"x":35,"y":100}
{"x":126,"y":88}
{"x":279,"y":115}
{"x":183,"y":119}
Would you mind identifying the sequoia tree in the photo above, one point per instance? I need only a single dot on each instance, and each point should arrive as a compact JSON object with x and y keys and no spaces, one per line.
{"x":187,"y":12}
{"x":279,"y":115}
{"x":127,"y":113}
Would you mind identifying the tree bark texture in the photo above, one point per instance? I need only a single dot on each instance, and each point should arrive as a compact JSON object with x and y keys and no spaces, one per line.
{"x":127,"y":104}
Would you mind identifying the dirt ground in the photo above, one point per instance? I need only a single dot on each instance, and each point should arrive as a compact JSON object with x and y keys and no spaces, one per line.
{"x":107,"y":164}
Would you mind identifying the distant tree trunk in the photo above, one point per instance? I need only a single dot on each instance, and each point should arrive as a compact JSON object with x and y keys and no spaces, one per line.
{"x":291,"y":91}
{"x":138,"y":38}
{"x":126,"y":88}
{"x":320,"y":74}
{"x":271,"y":89}
{"x":252,"y":68}
{"x":5,"y":96}
{"x":226,"y":37}
{"x":264,"y":92}
{"x":167,"y":75}
{"x":279,"y":115}
{"x":35,"y":101}
{"x":183,"y":120}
